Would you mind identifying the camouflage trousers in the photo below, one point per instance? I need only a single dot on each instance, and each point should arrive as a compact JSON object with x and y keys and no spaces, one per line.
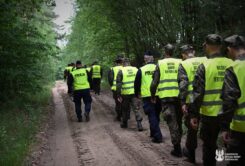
{"x":130,"y":102}
{"x":173,"y":116}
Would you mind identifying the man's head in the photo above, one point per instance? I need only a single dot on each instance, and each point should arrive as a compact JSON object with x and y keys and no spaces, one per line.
{"x":126,"y":62}
{"x":168,"y":50}
{"x":187,"y":51}
{"x":213,"y":44}
{"x":235,"y":45}
{"x":148,"y":56}
{"x":95,"y":62}
{"x":78,"y":64}
{"x":119,"y":59}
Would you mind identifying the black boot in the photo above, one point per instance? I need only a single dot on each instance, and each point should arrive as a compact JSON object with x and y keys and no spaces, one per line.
{"x":87,"y":116}
{"x":139,"y":125}
{"x":190,"y":154}
{"x":176,"y":151}
{"x":124,"y":125}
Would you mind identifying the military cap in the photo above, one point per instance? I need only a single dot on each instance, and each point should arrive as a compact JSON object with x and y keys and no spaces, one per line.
{"x":168,"y":47}
{"x":235,"y":41}
{"x":126,"y":60}
{"x":119,"y":58}
{"x":78,"y":62}
{"x":149,"y":53}
{"x":186,"y":48}
{"x":213,"y":39}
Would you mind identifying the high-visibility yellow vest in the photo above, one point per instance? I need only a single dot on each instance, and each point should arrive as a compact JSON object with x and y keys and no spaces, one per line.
{"x":214,"y":78}
{"x":88,"y":69}
{"x":168,"y":84}
{"x":129,"y":74}
{"x":69,"y":69}
{"x":96,"y":71}
{"x":190,"y":66}
{"x":80,"y":79}
{"x":238,"y":121}
{"x":146,"y":79}
{"x":115,"y":72}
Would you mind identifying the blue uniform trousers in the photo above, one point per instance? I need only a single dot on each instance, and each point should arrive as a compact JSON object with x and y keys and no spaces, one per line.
{"x":87,"y":100}
{"x":153,"y":110}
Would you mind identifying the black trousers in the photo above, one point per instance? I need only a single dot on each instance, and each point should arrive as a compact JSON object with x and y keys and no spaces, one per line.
{"x":209,"y":132}
{"x":118,"y":105}
{"x":191,"y":138}
{"x":96,"y":85}
{"x":237,"y":145}
{"x":87,"y":100}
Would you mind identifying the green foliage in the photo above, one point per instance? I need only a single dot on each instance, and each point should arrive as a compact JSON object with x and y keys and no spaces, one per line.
{"x":27,"y":67}
{"x":18,"y":125}
{"x":27,"y":47}
{"x":104,"y":28}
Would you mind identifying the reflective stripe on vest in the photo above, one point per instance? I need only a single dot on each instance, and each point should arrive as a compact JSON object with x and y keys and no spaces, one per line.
{"x":168,"y":84}
{"x":190,"y":66}
{"x":80,"y":79}
{"x":214,"y":78}
{"x":146,"y":79}
{"x":129,"y":74}
{"x":96,"y":71}
{"x":115,"y":72}
{"x":238,"y":121}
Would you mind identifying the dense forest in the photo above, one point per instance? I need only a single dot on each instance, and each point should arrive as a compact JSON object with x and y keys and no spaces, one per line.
{"x":104,"y":28}
{"x":30,"y":58}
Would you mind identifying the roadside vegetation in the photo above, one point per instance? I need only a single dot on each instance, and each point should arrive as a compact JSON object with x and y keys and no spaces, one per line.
{"x":27,"y":71}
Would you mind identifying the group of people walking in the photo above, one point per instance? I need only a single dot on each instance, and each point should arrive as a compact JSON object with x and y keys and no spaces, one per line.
{"x":80,"y":81}
{"x":207,"y":92}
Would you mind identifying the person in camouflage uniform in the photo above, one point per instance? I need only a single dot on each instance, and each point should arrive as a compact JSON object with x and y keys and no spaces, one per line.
{"x":165,"y":84}
{"x":128,"y":101}
{"x":186,"y":74}
{"x":206,"y":103}
{"x":234,"y":134}
{"x":112,"y":75}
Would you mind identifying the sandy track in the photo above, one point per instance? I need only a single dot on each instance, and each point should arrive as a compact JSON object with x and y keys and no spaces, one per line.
{"x":101,"y":141}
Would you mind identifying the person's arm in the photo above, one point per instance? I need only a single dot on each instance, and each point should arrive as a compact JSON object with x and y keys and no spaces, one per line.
{"x":183,"y":84}
{"x":119,"y":82}
{"x":91,"y":72}
{"x":198,"y":91}
{"x":230,"y":94}
{"x":101,"y":72}
{"x":70,"y":81}
{"x":65,"y":75}
{"x":155,"y":81}
{"x":89,"y":78}
{"x":110,"y":77}
{"x":137,"y":83}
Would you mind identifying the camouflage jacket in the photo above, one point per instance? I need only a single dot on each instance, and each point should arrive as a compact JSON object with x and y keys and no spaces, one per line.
{"x":230,"y":94}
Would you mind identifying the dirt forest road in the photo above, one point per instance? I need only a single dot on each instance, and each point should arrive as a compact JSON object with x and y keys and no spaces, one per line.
{"x":101,"y":142}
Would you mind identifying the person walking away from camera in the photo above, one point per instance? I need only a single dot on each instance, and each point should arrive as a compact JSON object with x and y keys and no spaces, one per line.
{"x":112,"y":75}
{"x":166,"y":85}
{"x":79,"y":80}
{"x":206,"y":104}
{"x":126,"y":94}
{"x":96,"y":72}
{"x":142,"y":90}
{"x":186,"y":73}
{"x":233,"y":96}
